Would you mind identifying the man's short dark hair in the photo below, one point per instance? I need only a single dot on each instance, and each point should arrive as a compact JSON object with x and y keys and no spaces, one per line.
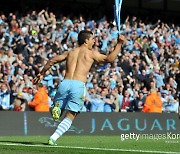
{"x":83,"y":35}
{"x":40,"y":85}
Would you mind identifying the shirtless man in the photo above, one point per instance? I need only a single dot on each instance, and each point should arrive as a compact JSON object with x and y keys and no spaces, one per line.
{"x":71,"y":91}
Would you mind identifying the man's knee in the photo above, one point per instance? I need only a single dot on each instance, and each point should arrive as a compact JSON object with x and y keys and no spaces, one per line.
{"x":71,"y":115}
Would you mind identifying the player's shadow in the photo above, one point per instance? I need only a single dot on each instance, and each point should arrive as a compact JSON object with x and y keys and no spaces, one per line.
{"x":24,"y":142}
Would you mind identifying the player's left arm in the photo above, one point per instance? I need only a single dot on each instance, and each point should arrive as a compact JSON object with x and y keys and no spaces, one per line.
{"x":112,"y":56}
{"x":99,"y":57}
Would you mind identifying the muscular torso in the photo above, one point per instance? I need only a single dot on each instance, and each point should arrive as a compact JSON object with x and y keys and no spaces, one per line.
{"x":79,"y":62}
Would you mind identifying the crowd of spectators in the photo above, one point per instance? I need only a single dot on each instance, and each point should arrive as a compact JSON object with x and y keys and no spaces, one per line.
{"x":149,"y":61}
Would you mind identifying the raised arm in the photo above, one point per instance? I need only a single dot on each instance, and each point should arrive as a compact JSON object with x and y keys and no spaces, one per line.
{"x":50,"y":63}
{"x":112,"y":56}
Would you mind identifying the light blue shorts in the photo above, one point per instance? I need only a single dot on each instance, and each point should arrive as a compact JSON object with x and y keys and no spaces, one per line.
{"x":70,"y":95}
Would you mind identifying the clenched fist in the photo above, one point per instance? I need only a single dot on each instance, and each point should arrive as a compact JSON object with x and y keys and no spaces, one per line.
{"x":121,"y":38}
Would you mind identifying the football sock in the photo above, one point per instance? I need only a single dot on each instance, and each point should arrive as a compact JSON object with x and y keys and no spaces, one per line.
{"x":62,"y":128}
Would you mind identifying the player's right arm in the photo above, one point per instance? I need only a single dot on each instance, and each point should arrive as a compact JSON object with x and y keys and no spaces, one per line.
{"x":112,"y":56}
{"x":50,"y":63}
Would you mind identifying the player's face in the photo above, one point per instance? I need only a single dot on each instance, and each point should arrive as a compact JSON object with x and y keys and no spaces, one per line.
{"x":91,"y":42}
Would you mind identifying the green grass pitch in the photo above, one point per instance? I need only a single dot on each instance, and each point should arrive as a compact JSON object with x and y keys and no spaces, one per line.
{"x":86,"y":144}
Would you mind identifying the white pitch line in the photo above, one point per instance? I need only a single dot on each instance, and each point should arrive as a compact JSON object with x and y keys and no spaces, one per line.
{"x":87,"y":148}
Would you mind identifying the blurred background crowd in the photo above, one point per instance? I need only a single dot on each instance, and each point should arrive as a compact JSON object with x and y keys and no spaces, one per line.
{"x":146,"y":72}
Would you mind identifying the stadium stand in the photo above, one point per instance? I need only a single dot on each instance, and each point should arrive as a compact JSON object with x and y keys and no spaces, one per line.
{"x":149,"y":59}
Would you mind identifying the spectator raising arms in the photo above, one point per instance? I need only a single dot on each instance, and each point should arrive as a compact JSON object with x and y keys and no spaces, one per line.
{"x":151,"y":53}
